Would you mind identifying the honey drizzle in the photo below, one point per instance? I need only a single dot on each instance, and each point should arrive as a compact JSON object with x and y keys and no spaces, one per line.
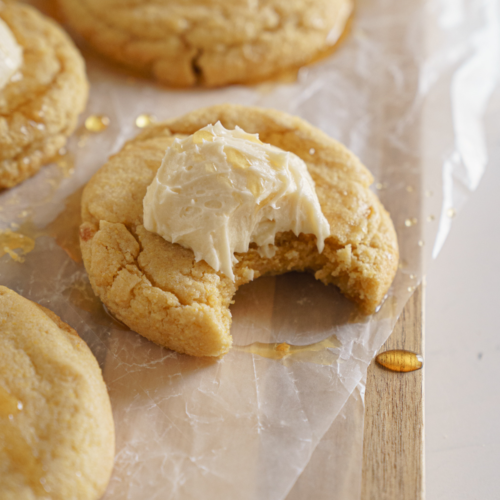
{"x":399,"y":360}
{"x":9,"y":405}
{"x":317,"y":353}
{"x":22,"y":458}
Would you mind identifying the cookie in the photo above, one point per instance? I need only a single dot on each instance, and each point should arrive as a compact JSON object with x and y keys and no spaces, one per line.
{"x":39,"y":107}
{"x":56,"y":426}
{"x":158,"y":289}
{"x":209,"y":42}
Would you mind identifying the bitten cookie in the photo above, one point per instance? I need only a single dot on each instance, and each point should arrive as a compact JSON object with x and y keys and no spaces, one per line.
{"x":209,"y":42}
{"x":56,"y":426}
{"x":158,"y":289}
{"x":40,"y":105}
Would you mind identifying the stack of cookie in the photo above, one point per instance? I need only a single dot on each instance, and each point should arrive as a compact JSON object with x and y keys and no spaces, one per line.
{"x":56,"y":427}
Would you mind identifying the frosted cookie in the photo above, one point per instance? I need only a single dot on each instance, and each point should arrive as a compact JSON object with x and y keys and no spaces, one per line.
{"x":56,"y":425}
{"x":159,"y":289}
{"x":209,"y":42}
{"x":42,"y":98}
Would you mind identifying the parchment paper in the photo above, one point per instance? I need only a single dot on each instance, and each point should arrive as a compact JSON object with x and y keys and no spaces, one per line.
{"x":406,"y":92}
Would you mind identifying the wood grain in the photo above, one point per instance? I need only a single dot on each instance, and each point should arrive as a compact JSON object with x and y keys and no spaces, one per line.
{"x":393,"y":442}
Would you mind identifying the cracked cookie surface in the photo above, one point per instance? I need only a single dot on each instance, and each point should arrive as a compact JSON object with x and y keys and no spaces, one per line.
{"x":40,"y":106}
{"x":209,"y":42}
{"x":156,"y":287}
{"x":56,"y":425}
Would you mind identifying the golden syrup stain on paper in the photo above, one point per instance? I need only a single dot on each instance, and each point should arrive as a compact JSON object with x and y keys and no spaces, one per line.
{"x":317,"y":353}
{"x":399,"y":360}
{"x":82,"y":296}
{"x":64,"y":229}
{"x":10,"y":241}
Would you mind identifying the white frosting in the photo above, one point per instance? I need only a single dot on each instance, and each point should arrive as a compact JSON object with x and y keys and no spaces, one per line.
{"x":219,"y":190}
{"x":11,"y":54}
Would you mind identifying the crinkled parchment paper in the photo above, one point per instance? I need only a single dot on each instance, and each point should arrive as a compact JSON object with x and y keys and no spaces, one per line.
{"x":406,"y":92}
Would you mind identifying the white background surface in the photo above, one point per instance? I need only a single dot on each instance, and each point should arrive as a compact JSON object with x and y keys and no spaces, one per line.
{"x":462,"y":352}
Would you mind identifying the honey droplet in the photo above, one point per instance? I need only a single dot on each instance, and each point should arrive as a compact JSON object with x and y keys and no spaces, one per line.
{"x":145,"y":120}
{"x":312,"y":151}
{"x":411,"y":222}
{"x":409,"y":189}
{"x":399,"y":360}
{"x":97,"y":123}
{"x":451,"y":212}
{"x":430,"y":218}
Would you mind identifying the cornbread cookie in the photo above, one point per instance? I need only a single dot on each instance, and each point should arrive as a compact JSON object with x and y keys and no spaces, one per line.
{"x":56,"y":426}
{"x":209,"y":42}
{"x":157,"y":288}
{"x":40,"y":105}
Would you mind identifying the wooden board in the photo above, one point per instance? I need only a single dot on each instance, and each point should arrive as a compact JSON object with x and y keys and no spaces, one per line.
{"x":393,"y":442}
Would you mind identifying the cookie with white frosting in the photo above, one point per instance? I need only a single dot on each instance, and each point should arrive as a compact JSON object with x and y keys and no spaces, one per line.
{"x":161,"y":291}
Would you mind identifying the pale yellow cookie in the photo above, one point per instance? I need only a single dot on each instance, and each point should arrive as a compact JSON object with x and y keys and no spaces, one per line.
{"x":209,"y":42}
{"x":157,"y":288}
{"x":56,"y":426}
{"x":39,"y":107}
